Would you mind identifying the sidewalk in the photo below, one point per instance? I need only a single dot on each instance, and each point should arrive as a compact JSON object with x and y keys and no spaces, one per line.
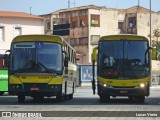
{"x":155,"y":86}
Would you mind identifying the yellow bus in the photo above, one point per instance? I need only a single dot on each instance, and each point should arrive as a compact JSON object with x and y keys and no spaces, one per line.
{"x":41,"y":65}
{"x":123,"y":67}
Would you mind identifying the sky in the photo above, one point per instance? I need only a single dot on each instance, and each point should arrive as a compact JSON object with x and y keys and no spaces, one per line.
{"x":40,"y":7}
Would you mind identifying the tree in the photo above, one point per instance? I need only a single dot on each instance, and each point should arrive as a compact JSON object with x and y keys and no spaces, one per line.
{"x":156,"y":42}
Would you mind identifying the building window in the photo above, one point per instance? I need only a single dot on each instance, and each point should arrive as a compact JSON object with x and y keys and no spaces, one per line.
{"x":94,"y":39}
{"x":83,"y":21}
{"x":17,"y":31}
{"x":95,"y":20}
{"x":1,"y":33}
{"x":74,"y":22}
{"x":120,"y":25}
{"x":74,"y":42}
{"x":48,"y":25}
{"x":132,"y":22}
{"x":83,"y":41}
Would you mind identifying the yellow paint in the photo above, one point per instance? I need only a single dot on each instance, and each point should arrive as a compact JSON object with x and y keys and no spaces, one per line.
{"x":94,"y":54}
{"x":34,"y":38}
{"x":127,"y":82}
{"x":14,"y":80}
{"x":123,"y":37}
{"x":57,"y":80}
{"x":35,"y":79}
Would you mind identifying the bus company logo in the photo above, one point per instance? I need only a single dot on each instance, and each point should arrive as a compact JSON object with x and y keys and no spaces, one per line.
{"x":3,"y":76}
{"x":6,"y":114}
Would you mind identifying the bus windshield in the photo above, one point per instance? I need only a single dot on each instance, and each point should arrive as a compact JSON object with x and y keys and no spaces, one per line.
{"x":36,"y":57}
{"x":123,"y":59}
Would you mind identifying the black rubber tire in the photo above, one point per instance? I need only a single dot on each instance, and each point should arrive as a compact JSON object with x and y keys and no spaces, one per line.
{"x":60,"y":98}
{"x":104,"y":98}
{"x":141,"y":99}
{"x":21,"y":98}
{"x":1,"y":93}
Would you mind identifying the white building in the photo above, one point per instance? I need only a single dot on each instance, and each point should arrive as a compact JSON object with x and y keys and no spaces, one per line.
{"x":17,"y":23}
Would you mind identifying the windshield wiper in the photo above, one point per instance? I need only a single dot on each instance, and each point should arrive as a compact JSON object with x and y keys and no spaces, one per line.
{"x":46,"y":69}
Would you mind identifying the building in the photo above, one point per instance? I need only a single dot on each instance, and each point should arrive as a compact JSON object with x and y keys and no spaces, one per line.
{"x":86,"y":25}
{"x":89,"y":23}
{"x":17,"y":23}
{"x":136,"y":20}
{"x":50,"y":20}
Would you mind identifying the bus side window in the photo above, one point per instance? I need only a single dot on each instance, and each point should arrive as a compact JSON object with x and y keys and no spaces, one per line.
{"x":69,"y":54}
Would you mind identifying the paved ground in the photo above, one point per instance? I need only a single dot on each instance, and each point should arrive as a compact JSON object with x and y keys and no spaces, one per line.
{"x":84,"y":100}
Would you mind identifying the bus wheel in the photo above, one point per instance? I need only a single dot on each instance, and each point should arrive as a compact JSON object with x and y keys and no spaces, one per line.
{"x":141,"y":99}
{"x":104,"y":98}
{"x":70,"y":96}
{"x":107,"y":98}
{"x":60,"y":98}
{"x":38,"y":98}
{"x":21,"y":98}
{"x":1,"y":93}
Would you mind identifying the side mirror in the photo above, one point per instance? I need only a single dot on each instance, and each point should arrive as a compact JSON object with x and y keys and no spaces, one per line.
{"x":6,"y":58}
{"x":94,"y":54}
{"x":66,"y":62}
{"x":154,"y":54}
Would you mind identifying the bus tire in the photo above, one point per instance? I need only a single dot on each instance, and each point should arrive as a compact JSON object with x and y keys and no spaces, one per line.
{"x":60,"y":98}
{"x":102,"y":99}
{"x":70,"y":96}
{"x":141,"y":99}
{"x":38,"y":98}
{"x":1,"y":93}
{"x":21,"y":98}
{"x":107,"y":98}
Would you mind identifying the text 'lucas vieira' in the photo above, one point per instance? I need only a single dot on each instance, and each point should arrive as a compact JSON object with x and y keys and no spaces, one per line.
{"x":146,"y":114}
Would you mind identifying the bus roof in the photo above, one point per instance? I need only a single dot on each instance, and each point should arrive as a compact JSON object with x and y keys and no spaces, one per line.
{"x":31,"y":38}
{"x":122,"y":37}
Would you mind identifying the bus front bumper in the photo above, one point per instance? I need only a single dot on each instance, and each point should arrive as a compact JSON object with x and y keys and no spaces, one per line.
{"x":35,"y":89}
{"x":111,"y":91}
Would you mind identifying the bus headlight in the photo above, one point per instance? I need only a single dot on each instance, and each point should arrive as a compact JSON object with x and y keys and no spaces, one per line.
{"x":142,"y":85}
{"x":103,"y":84}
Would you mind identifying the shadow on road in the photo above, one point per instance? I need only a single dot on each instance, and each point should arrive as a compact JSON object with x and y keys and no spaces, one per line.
{"x":12,"y":100}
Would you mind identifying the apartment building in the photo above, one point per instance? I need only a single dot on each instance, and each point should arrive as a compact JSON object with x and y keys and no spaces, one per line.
{"x":17,"y":23}
{"x":88,"y":23}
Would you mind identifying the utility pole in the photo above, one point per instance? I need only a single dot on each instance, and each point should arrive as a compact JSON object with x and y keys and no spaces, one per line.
{"x":30,"y":10}
{"x":150,"y":23}
{"x":68,"y":4}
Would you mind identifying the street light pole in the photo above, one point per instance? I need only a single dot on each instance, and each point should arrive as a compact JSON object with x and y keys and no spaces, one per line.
{"x":150,"y":24}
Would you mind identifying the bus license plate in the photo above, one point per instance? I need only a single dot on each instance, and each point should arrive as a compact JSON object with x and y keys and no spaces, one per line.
{"x":34,"y":89}
{"x":123,"y":91}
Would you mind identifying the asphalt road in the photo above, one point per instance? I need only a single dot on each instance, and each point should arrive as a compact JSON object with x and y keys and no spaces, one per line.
{"x":84,"y":101}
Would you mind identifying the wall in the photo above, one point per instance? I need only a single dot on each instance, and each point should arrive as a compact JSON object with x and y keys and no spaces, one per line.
{"x":28,"y":26}
{"x":108,"y":25}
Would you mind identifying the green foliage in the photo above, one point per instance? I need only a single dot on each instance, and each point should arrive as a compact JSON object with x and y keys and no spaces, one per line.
{"x":156,"y":42}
